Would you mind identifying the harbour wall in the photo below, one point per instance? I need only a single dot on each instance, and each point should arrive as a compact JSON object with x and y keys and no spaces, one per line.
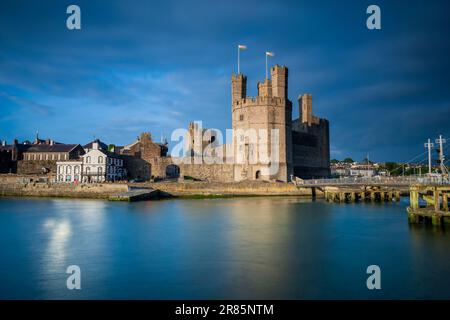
{"x":244,"y":188}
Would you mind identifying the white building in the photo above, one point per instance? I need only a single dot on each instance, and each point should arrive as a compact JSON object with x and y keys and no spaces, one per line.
{"x":97,"y":165}
{"x":69,"y":171}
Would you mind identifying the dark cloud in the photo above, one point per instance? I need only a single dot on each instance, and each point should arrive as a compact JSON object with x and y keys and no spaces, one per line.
{"x":156,"y":65}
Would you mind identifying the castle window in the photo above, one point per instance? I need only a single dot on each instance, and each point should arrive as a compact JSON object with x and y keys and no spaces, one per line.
{"x":241,"y":117}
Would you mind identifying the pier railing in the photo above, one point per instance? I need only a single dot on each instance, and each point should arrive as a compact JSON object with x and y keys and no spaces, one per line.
{"x":385,"y":181}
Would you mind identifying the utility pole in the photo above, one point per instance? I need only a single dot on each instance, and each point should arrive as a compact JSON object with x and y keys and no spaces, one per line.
{"x":441,"y":153}
{"x":429,"y":145}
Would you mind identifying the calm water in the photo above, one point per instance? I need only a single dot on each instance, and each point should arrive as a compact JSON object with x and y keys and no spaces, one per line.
{"x":241,"y":248}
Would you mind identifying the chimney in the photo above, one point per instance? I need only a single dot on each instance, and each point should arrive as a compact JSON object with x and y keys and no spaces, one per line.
{"x":95,"y":145}
{"x":52,"y":142}
{"x":15,"y":151}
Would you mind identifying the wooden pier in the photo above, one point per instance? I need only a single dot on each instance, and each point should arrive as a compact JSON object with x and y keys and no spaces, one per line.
{"x":435,"y":209}
{"x":366,"y":193}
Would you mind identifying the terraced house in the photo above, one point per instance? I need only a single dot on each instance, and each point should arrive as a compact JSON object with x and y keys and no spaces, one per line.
{"x":97,"y":165}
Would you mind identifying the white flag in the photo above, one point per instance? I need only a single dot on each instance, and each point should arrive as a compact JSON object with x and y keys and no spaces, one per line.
{"x":241,"y":46}
{"x":270,"y":54}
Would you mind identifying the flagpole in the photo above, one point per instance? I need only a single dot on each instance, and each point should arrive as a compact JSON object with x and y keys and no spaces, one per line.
{"x":239,"y":67}
{"x":266,"y":67}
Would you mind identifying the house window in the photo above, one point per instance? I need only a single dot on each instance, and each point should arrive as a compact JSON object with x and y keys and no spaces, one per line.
{"x":68,"y":178}
{"x":60,"y":170}
{"x":68,"y":169}
{"x":241,"y":117}
{"x":100,"y":159}
{"x":100,"y":170}
{"x":88,"y":159}
{"x":88,"y":170}
{"x":77,"y":169}
{"x":61,"y":178}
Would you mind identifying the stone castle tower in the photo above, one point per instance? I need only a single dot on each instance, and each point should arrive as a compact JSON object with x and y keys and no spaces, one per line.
{"x":271,"y":109}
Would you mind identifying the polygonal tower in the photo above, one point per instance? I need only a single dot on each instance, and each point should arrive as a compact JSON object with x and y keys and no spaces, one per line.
{"x":270,"y":110}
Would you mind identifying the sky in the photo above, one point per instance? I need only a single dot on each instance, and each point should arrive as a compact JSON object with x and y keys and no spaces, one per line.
{"x":154,"y":66}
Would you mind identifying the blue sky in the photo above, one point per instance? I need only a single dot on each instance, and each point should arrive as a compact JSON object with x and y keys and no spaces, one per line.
{"x":154,"y":66}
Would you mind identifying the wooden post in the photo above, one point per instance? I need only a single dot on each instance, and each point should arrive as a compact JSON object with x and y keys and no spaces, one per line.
{"x":414,"y":197}
{"x":372,"y":196}
{"x":437,"y":206}
{"x":445,"y":201}
{"x":436,"y":219}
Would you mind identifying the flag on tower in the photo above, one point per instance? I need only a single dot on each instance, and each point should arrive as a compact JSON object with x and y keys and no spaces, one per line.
{"x":270,"y":54}
{"x":241,"y":46}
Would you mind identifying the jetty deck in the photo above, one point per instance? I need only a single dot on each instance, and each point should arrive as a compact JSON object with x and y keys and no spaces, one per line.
{"x":346,"y":194}
{"x":436,"y":209}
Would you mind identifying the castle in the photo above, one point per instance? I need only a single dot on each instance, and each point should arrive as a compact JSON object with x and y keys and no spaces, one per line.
{"x":301,"y":146}
{"x":303,"y":143}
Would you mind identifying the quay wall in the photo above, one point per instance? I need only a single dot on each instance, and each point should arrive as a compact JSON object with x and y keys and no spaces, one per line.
{"x":23,"y":187}
{"x":16,"y":185}
{"x":245,"y":188}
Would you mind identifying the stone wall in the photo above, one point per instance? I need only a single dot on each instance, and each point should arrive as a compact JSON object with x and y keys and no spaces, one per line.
{"x":210,"y":172}
{"x":18,"y":186}
{"x":241,"y":188}
{"x":137,"y":168}
{"x":35,"y":166}
{"x":311,"y":149}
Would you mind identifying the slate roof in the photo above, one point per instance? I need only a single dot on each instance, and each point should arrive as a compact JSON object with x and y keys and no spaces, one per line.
{"x":51,"y":148}
{"x":101,"y":145}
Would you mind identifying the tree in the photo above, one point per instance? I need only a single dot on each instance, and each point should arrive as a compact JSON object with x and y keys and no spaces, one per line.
{"x":348,"y":160}
{"x":334,"y":161}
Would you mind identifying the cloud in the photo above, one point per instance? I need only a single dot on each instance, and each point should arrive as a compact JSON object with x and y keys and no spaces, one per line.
{"x":28,"y":105}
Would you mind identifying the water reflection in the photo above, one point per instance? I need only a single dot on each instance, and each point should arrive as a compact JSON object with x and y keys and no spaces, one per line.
{"x":252,"y":248}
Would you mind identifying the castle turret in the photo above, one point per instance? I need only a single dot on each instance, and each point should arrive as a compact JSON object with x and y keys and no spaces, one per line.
{"x":305,"y":106}
{"x":279,"y":75}
{"x":265,"y":88}
{"x":238,"y":87}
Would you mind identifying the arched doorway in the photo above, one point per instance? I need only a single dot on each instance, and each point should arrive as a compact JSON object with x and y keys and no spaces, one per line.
{"x":258,"y":175}
{"x":172,"y":171}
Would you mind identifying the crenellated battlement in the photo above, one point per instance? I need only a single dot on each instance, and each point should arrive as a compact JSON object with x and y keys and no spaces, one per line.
{"x":259,"y":101}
